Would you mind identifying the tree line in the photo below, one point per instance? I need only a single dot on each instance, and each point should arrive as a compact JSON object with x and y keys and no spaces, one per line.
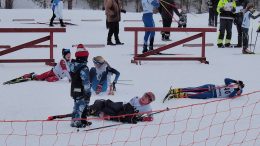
{"x":195,"y":6}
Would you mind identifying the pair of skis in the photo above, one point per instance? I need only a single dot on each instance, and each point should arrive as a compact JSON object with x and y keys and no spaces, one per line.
{"x":18,"y":80}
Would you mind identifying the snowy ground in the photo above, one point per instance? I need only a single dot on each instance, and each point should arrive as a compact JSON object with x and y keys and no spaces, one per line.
{"x":37,"y":100}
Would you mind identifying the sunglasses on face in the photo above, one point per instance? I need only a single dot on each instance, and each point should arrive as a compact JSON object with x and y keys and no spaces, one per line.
{"x":98,"y":63}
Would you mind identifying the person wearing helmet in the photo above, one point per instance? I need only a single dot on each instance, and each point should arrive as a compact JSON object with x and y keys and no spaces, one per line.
{"x":100,"y":75}
{"x":231,"y":88}
{"x":58,"y":72}
{"x":137,"y":109}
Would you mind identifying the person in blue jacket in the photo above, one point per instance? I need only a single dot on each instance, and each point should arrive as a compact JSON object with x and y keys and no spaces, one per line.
{"x":230,"y":89}
{"x":149,"y":7}
{"x":100,"y":75}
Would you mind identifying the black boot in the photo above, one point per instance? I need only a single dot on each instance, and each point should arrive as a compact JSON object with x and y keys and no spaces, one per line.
{"x":109,"y":38}
{"x":51,"y":24}
{"x":163,"y":36}
{"x":151,"y":44}
{"x":110,"y":43}
{"x":239,"y":44}
{"x":118,"y":41}
{"x":167,"y":37}
{"x":61,"y":23}
{"x":52,"y":19}
{"x":145,"y":48}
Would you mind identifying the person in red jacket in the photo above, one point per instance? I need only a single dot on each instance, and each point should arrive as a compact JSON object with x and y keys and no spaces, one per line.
{"x":58,"y":72}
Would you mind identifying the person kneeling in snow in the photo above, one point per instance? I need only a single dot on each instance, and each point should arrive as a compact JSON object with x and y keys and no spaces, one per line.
{"x":230,"y":89}
{"x":136,"y":107}
{"x":58,"y":72}
{"x":100,"y":76}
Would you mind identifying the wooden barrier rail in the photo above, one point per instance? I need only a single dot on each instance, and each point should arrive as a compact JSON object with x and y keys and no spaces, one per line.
{"x":144,"y":56}
{"x":30,"y":44}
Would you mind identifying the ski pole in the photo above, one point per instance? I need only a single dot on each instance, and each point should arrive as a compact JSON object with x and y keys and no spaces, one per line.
{"x":124,"y":83}
{"x":125,"y":80}
{"x":255,"y":41}
{"x":154,"y":113}
{"x":251,"y":38}
{"x":102,"y":127}
{"x":50,"y":118}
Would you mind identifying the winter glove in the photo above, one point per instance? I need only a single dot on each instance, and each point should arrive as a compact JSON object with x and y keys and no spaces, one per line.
{"x":114,"y":86}
{"x":99,"y":89}
{"x":123,"y":10}
{"x":147,"y":119}
{"x":233,"y":10}
{"x":221,"y":9}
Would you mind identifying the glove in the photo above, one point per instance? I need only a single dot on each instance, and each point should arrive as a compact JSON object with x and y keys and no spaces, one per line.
{"x":221,"y":9}
{"x":114,"y":86}
{"x":99,"y":89}
{"x":123,"y":10}
{"x":147,"y":119}
{"x":233,"y":10}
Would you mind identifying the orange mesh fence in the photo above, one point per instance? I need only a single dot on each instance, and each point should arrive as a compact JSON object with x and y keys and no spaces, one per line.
{"x":214,"y":122}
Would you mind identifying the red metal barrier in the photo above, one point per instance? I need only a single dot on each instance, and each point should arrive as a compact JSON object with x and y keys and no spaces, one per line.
{"x":144,"y":56}
{"x":49,"y":37}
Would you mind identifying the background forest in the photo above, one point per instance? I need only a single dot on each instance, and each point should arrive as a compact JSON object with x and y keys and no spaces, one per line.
{"x":194,"y":6}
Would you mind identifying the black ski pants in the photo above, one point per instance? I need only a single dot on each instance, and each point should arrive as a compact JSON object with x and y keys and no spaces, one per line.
{"x":225,"y":25}
{"x":213,"y":17}
{"x":245,"y":38}
{"x":113,"y":30}
{"x":167,"y":22}
{"x":238,"y":21}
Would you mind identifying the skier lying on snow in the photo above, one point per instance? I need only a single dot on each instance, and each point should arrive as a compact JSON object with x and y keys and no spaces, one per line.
{"x":137,"y":107}
{"x":59,"y":71}
{"x":230,"y":89}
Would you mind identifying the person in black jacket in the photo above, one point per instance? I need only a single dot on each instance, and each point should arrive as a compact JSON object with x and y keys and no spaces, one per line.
{"x":213,"y":14}
{"x":80,"y":86}
{"x":166,"y":10}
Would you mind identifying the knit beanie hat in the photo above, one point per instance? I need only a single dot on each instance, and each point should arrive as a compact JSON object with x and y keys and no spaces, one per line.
{"x":81,"y":51}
